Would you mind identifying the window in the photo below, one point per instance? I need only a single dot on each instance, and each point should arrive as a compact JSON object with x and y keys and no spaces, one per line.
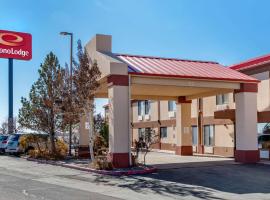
{"x":143,"y":107}
{"x":144,"y":134}
{"x":222,"y":99}
{"x":171,"y":106}
{"x":194,"y":135}
{"x":208,"y":135}
{"x":147,"y":134}
{"x":163,"y":132}
{"x":140,"y":108}
{"x":147,"y":107}
{"x":141,"y":133}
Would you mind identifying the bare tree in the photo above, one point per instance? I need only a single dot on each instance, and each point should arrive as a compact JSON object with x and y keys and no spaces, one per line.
{"x":4,"y":127}
{"x":146,"y":142}
{"x":86,"y":75}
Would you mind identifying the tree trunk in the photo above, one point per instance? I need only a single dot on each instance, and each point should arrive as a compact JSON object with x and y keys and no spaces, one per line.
{"x":89,"y":117}
{"x":53,"y":149}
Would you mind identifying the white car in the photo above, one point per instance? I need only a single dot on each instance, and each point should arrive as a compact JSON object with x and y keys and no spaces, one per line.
{"x":13,"y":144}
{"x":3,"y":143}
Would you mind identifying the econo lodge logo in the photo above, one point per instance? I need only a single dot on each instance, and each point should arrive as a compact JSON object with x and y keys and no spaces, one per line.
{"x":11,"y":39}
{"x":15,"y":45}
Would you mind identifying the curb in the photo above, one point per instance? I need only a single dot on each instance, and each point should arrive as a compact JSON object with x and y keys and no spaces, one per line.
{"x":147,"y":170}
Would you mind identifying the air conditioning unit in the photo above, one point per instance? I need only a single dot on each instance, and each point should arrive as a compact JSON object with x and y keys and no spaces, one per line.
{"x":223,"y":107}
{"x":140,"y":118}
{"x":172,"y":114}
{"x":147,"y":117}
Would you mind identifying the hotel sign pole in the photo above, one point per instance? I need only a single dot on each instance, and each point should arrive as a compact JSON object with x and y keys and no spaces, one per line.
{"x":10,"y":96}
{"x":14,"y":45}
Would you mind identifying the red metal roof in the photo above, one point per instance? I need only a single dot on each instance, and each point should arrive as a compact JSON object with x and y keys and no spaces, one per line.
{"x":179,"y":68}
{"x":251,"y":63}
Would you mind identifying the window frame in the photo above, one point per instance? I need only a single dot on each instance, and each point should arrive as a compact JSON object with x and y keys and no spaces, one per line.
{"x":171,"y":106}
{"x":147,"y":107}
{"x":161,"y":132}
{"x":222,"y":99}
{"x":210,"y":140}
{"x":193,"y":141}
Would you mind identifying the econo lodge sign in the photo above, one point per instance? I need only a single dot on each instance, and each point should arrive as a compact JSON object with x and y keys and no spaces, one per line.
{"x":15,"y":45}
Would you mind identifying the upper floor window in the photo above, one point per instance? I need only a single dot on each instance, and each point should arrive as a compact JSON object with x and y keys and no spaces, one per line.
{"x":171,"y":106}
{"x":140,"y":108}
{"x":143,"y":107}
{"x":222,"y":99}
{"x":147,"y":107}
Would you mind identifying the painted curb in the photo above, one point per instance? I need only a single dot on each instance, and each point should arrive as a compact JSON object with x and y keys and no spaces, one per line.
{"x":147,"y":170}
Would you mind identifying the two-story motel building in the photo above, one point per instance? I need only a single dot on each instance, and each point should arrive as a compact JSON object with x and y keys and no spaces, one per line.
{"x":194,"y":106}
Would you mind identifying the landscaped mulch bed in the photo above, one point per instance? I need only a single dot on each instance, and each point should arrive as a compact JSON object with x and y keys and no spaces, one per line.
{"x":84,"y":166}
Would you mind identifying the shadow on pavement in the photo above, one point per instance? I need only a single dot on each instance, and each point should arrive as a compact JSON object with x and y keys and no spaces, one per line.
{"x":198,"y":179}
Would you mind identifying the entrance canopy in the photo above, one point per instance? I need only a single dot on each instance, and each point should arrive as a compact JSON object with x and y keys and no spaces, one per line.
{"x":162,"y":78}
{"x":125,"y":77}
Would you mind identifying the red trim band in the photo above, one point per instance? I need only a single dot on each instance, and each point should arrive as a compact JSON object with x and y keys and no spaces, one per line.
{"x":120,"y":160}
{"x":115,"y":79}
{"x":247,"y":87}
{"x":182,"y":99}
{"x":184,"y":150}
{"x":247,"y":156}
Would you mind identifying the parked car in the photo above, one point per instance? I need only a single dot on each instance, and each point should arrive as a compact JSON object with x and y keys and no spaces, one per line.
{"x":13,"y":144}
{"x":3,"y":143}
{"x":264,"y":141}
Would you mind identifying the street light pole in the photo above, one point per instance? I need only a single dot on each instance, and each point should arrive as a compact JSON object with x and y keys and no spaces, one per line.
{"x":71,"y":53}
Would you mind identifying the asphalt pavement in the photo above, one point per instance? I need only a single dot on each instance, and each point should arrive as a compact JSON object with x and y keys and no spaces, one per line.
{"x":177,"y":178}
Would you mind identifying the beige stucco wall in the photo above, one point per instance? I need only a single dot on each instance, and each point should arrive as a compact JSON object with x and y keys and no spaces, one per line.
{"x":224,"y":135}
{"x":263,"y":97}
{"x":164,"y":113}
{"x":246,"y":121}
{"x":194,"y":108}
{"x":134,"y":111}
{"x":153,"y":111}
{"x":118,"y":119}
{"x":171,"y":136}
{"x":209,"y":106}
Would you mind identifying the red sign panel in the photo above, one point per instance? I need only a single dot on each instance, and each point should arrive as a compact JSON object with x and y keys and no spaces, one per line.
{"x":15,"y":45}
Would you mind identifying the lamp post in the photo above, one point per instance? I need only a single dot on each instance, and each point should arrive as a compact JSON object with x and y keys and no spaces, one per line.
{"x":71,"y":50}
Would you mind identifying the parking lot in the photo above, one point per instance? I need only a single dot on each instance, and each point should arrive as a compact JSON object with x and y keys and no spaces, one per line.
{"x":177,"y":178}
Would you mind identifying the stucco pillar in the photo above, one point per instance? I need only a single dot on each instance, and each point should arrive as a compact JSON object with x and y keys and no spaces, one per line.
{"x":183,"y":128}
{"x":246,"y":124}
{"x":83,"y":151}
{"x":200,"y":149}
{"x":118,"y":120}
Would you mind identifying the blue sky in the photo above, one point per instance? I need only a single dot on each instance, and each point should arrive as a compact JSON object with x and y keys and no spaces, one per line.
{"x":226,"y":31}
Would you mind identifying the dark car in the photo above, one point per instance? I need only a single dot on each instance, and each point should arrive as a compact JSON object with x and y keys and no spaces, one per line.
{"x":264,"y":141}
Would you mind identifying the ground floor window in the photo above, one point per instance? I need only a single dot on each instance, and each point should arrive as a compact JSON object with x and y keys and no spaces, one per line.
{"x":163,"y":132}
{"x":194,"y":135}
{"x":144,"y":134}
{"x":208,"y":135}
{"x":140,"y":133}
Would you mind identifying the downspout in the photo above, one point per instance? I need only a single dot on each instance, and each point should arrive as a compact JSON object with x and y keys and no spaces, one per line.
{"x":129,"y":121}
